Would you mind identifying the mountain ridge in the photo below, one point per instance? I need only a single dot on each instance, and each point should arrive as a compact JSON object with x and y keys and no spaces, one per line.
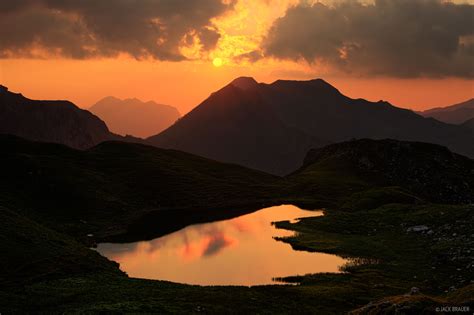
{"x":232,"y":117}
{"x":314,"y":109}
{"x":50,"y":121}
{"x":454,"y":114}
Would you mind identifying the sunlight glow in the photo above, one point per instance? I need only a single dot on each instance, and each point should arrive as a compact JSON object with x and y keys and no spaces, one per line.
{"x":217,"y":62}
{"x":243,"y":29}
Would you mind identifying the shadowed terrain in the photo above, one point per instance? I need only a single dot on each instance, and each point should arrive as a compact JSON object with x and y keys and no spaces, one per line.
{"x":52,"y":196}
{"x":50,"y":121}
{"x":426,"y":170}
{"x":115,"y":183}
{"x":469,"y":125}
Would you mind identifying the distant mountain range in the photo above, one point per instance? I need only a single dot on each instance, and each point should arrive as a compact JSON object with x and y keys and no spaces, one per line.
{"x":454,"y":114}
{"x":268,"y":127}
{"x":52,"y":121}
{"x":134,"y":117}
{"x":271,"y":126}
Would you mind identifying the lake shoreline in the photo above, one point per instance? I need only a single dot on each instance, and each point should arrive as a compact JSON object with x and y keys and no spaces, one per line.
{"x":202,"y":254}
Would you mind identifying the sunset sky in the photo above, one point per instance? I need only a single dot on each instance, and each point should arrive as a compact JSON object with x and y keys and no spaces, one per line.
{"x":413,"y":53}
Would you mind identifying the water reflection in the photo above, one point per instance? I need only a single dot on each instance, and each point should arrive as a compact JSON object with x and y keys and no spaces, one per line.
{"x":239,"y":251}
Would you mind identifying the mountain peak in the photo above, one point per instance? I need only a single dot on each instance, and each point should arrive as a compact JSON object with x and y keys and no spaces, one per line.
{"x":316,"y":85}
{"x":3,"y":88}
{"x":320,"y":81}
{"x":314,"y":82}
{"x":322,"y":84}
{"x":244,"y":83}
{"x":109,"y":99}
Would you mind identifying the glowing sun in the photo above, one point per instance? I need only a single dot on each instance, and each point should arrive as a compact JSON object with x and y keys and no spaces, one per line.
{"x":217,"y":62}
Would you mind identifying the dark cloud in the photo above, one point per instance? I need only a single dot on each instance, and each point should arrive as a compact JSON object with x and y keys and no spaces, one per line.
{"x":401,"y":38}
{"x":90,"y":28}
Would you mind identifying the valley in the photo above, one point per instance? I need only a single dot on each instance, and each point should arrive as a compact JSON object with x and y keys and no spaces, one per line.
{"x":367,"y":219}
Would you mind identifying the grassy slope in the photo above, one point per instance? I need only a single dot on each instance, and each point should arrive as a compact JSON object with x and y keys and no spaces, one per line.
{"x":367,"y":221}
{"x":37,"y":253}
{"x":427,"y":170}
{"x":96,"y":191}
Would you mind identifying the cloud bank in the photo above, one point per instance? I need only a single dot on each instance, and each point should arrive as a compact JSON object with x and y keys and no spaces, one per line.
{"x":398,"y":38}
{"x":98,"y":28}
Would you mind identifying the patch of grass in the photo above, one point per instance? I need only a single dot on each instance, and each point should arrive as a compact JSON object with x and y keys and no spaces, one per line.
{"x":434,"y":260}
{"x":379,"y":196}
{"x":116,"y":294}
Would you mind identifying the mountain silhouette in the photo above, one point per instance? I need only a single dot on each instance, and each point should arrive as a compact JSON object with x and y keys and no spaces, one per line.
{"x":271,"y":126}
{"x":50,"y":121}
{"x":134,"y":117}
{"x":455,"y":114}
{"x":236,"y":125}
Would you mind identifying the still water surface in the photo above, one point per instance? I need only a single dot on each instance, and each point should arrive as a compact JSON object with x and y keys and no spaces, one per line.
{"x":239,"y":251}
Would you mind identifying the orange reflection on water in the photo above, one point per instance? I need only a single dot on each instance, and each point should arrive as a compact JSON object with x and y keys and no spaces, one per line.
{"x":239,"y":251}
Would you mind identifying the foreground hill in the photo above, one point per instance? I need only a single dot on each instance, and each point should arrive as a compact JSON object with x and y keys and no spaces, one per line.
{"x":426,"y":170}
{"x":115,"y":184}
{"x":134,"y":117}
{"x":271,"y":126}
{"x":37,"y":253}
{"x":50,"y":121}
{"x":454,"y":114}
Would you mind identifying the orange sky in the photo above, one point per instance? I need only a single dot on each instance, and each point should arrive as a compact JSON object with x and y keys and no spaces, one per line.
{"x":185,"y":84}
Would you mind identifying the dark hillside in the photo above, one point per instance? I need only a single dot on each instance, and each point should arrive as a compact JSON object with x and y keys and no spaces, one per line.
{"x":50,"y":121}
{"x":428,"y":170}
{"x":117,"y":183}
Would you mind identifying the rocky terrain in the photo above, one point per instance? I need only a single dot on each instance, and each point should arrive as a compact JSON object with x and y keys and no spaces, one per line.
{"x":427,"y":170}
